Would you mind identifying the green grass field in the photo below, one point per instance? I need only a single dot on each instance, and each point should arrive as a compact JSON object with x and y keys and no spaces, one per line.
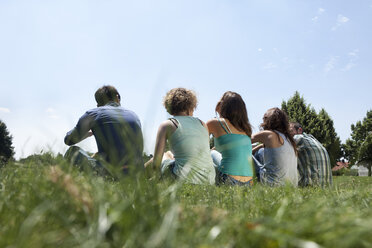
{"x":49,"y":204}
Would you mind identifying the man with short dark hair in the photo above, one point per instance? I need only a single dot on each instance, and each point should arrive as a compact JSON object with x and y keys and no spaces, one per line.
{"x":314,"y":166}
{"x":117,"y":132}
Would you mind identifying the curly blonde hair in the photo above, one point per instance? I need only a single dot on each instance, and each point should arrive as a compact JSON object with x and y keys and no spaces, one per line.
{"x":179,"y":100}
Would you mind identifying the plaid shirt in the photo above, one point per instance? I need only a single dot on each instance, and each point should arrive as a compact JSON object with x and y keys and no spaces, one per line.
{"x":314,"y":166}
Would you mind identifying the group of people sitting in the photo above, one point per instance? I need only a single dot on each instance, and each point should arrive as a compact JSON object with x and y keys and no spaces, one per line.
{"x":279,"y":154}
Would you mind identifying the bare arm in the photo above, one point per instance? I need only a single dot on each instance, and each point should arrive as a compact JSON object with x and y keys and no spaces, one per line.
{"x":256,"y":148}
{"x":268,"y":138}
{"x":262,"y":137}
{"x":159,"y":146}
{"x":211,"y":126}
{"x":215,"y":128}
{"x":164,"y":131}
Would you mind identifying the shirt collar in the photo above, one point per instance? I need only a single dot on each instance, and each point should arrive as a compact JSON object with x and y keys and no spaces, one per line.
{"x":113,"y":104}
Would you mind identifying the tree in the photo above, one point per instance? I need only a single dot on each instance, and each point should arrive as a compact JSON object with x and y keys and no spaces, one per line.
{"x":358,"y":148}
{"x":328,"y":136}
{"x":6,"y":148}
{"x":319,"y":125}
{"x":298,"y":111}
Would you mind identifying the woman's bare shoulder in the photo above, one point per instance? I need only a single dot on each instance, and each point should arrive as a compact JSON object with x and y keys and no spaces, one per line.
{"x":263,"y":136}
{"x":167,"y":125}
{"x":213,"y":121}
{"x":264,"y":133}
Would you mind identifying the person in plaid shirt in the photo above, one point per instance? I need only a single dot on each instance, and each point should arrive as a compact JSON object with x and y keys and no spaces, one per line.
{"x":314,"y":166}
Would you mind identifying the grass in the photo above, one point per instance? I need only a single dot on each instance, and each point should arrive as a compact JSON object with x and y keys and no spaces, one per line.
{"x":47,"y":203}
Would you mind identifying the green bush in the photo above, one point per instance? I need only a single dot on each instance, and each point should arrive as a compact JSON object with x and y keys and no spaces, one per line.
{"x":345,"y":172}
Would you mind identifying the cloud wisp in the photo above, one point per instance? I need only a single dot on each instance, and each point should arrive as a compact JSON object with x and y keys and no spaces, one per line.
{"x":319,"y":13}
{"x":333,"y":61}
{"x":353,"y":57}
{"x":52,"y":113}
{"x":341,"y":20}
{"x":270,"y":66}
{"x":4,"y":110}
{"x":330,"y":65}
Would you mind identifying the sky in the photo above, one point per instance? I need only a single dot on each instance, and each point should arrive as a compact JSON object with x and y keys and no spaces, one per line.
{"x":54,"y":55}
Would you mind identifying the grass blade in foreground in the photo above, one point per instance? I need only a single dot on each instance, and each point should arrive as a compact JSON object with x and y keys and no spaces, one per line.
{"x":46,"y":206}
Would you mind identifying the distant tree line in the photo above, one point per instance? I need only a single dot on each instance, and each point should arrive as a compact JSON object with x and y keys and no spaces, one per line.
{"x":320,"y":125}
{"x":6,"y":148}
{"x":358,"y":148}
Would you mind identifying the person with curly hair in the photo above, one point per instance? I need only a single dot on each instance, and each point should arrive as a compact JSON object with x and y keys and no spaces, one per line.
{"x":189,"y":159}
{"x":232,"y":139}
{"x":276,"y":157}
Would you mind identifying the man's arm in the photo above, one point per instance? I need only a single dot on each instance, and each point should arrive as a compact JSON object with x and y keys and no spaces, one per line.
{"x":81,"y":131}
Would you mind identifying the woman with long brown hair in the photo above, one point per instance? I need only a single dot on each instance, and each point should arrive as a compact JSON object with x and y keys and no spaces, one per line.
{"x":276,"y":163}
{"x":232,"y":132}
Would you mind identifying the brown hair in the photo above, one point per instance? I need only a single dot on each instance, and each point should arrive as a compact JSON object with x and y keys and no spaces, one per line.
{"x":179,"y":100}
{"x":296,"y":125}
{"x":105,"y":94}
{"x":276,"y":119}
{"x":232,"y":107}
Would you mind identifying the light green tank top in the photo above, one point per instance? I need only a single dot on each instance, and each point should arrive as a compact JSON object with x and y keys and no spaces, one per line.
{"x":190,"y":147}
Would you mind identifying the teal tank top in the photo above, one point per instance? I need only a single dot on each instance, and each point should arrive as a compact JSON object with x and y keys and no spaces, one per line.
{"x":236,"y":151}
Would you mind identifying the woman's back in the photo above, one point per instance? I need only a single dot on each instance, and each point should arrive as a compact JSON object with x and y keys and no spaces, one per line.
{"x":190,"y":145}
{"x":236,"y":151}
{"x":280,"y":164}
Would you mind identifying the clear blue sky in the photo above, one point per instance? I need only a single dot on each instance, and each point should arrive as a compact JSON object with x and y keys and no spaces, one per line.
{"x":55,"y":54}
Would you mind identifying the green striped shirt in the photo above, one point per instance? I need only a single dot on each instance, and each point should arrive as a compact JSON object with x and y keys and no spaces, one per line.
{"x":314,"y":166}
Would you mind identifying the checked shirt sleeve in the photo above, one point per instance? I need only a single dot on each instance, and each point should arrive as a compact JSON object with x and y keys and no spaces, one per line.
{"x":303,"y":161}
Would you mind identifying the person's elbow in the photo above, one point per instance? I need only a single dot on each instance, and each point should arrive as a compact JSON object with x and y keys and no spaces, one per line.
{"x":254,"y":138}
{"x":69,"y":141}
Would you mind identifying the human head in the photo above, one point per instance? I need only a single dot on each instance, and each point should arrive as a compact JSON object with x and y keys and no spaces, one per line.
{"x":232,"y":107}
{"x":295,"y":128}
{"x":180,"y":100}
{"x":276,"y":119}
{"x":106,"y":94}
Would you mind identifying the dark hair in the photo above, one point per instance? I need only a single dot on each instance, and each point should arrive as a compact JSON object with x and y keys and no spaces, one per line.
{"x":105,"y":94}
{"x":179,"y":100}
{"x":232,"y":107}
{"x":296,"y":125}
{"x":276,"y":119}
